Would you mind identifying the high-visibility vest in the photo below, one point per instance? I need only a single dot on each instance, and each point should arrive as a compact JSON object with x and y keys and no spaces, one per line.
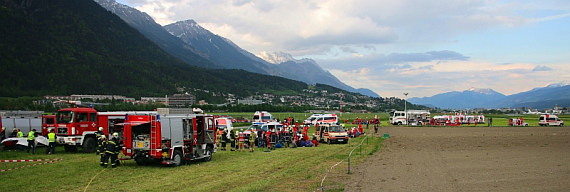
{"x":31,"y":136}
{"x":51,"y":137}
{"x":20,"y":134}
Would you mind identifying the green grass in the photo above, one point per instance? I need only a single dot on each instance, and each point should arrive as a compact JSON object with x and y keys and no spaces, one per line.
{"x":299,"y":169}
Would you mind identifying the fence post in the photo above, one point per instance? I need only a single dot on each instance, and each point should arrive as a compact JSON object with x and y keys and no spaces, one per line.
{"x":348,"y":165}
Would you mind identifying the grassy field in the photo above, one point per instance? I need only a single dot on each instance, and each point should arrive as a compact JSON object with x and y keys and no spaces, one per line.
{"x":291,"y":169}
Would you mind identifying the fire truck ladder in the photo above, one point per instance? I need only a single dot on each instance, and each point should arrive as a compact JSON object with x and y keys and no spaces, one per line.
{"x":153,"y":132}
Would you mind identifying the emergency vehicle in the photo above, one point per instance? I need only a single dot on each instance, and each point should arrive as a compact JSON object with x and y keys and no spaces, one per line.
{"x":312,"y":118}
{"x":78,"y":126}
{"x":419,"y":117}
{"x":170,"y":140}
{"x":223,"y":123}
{"x":331,"y":133}
{"x":326,"y":119}
{"x":25,"y":124}
{"x":550,"y":120}
{"x":272,"y":126}
{"x":262,"y":117}
{"x":48,"y":123}
{"x":517,"y":122}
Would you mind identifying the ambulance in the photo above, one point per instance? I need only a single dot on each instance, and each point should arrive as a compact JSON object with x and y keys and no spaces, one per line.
{"x":326,"y":119}
{"x":550,"y":120}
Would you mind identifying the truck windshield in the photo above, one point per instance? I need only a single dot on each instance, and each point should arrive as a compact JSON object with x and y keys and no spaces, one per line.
{"x":65,"y":116}
{"x":336,"y":129}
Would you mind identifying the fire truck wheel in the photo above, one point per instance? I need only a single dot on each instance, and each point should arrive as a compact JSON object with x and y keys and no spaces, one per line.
{"x":70,"y":148}
{"x":89,"y":145}
{"x":209,"y":152}
{"x":177,"y":158}
{"x":399,"y":123}
{"x":140,"y":161}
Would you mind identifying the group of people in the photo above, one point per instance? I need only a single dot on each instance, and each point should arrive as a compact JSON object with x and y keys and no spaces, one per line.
{"x":31,"y":138}
{"x":291,"y":136}
{"x":108,"y":149}
{"x":238,"y":140}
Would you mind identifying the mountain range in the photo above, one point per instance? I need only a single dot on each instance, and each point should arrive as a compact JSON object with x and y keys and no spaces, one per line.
{"x":538,"y":98}
{"x":221,"y":51}
{"x":63,"y":47}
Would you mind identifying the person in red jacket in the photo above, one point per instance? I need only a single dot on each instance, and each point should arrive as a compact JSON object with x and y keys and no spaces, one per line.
{"x":268,"y":138}
{"x":314,"y":141}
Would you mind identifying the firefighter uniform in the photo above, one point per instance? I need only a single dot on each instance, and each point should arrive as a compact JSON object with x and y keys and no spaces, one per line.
{"x":218,"y":138}
{"x":101,"y":149}
{"x":32,"y":141}
{"x":233,"y":140}
{"x":111,"y":151}
{"x":224,"y":139}
{"x":99,"y":134}
{"x":252,"y":141}
{"x":241,"y":141}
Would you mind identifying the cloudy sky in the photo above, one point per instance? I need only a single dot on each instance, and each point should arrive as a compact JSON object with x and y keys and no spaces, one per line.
{"x":423,"y":47}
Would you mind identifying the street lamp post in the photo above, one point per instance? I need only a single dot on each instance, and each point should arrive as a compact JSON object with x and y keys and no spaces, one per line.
{"x":405,"y":107}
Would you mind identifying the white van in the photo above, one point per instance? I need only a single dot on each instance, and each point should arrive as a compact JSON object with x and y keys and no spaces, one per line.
{"x":312,"y":118}
{"x":550,"y":120}
{"x":326,"y":119}
{"x":262,"y":117}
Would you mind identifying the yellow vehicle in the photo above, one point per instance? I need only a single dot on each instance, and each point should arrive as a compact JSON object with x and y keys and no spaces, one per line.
{"x":331,"y":133}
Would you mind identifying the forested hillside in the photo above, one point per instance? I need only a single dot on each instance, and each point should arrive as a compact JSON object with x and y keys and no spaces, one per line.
{"x":67,"y":47}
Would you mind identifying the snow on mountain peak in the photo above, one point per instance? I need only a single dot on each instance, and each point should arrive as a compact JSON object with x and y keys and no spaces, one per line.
{"x":481,"y":90}
{"x":281,"y":57}
{"x":275,"y":57}
{"x":560,"y":84}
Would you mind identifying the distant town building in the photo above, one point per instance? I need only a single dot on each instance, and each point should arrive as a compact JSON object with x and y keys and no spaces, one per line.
{"x":154,"y":100}
{"x":168,"y":111}
{"x":181,"y":100}
{"x":92,"y":97}
{"x":249,"y":102}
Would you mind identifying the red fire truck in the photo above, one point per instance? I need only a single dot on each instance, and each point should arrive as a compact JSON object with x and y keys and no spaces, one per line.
{"x":77,"y":126}
{"x":171,"y":140}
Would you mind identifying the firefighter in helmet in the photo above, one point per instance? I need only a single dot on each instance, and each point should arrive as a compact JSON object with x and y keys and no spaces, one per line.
{"x":241,"y":140}
{"x":252,"y":140}
{"x":112,"y":151}
{"x":99,"y":138}
{"x":233,"y":140}
{"x":101,"y":149}
{"x":224,"y":139}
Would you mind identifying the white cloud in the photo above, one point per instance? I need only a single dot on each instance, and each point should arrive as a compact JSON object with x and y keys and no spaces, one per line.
{"x":387,"y":45}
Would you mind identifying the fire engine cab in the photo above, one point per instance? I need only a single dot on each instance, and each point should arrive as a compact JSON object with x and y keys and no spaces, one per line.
{"x":77,"y":126}
{"x":170,"y":140}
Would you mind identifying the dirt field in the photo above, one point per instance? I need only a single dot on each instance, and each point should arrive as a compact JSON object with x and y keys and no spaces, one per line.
{"x":468,"y":159}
